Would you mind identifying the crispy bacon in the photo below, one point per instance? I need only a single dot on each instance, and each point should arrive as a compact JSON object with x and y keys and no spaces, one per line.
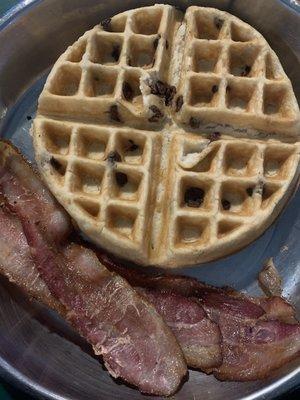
{"x":20,"y":184}
{"x":235,"y":336}
{"x":197,"y":335}
{"x":252,"y":349}
{"x":16,"y":261}
{"x":255,"y":341}
{"x":277,"y":308}
{"x":127,"y":331}
{"x":269,"y":279}
{"x":258,"y":335}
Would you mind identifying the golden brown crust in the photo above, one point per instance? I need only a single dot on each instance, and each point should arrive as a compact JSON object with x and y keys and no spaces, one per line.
{"x":99,"y":101}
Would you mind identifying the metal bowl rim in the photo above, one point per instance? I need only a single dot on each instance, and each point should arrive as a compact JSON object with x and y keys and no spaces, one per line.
{"x":292,"y":4}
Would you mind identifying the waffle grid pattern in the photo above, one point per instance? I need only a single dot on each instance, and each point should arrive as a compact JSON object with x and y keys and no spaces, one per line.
{"x":239,"y":181}
{"x":231,"y":71}
{"x":105,"y":173}
{"x":92,"y":75}
{"x":155,"y":192}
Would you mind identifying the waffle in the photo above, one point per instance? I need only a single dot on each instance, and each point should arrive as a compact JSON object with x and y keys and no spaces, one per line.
{"x":230,"y":78}
{"x":104,"y":76}
{"x":171,"y":139}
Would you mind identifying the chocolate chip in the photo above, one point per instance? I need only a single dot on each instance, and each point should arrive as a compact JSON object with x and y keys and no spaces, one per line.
{"x":179,"y":103}
{"x":29,"y":118}
{"x":113,"y":157}
{"x":194,"y":196}
{"x":226,"y":204}
{"x":246,"y":70}
{"x":132,"y":146}
{"x":127,"y":91}
{"x":106,"y":24}
{"x":169,"y":95}
{"x":96,"y":79}
{"x":129,"y":61}
{"x":167,"y":44}
{"x":56,"y":165}
{"x":215,"y":88}
{"x":162,"y":89}
{"x":157,"y":88}
{"x":116,"y":52}
{"x":121,"y":179}
{"x":218,"y":22}
{"x":212,"y":137}
{"x":114,"y":113}
{"x":194,"y":123}
{"x":228,"y":88}
{"x":155,"y":43}
{"x":249,"y":191}
{"x":157,"y":114}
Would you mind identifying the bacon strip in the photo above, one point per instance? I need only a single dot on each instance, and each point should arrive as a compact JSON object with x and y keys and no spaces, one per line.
{"x":252,"y":349}
{"x":220,"y":330}
{"x":258,"y":335}
{"x":16,"y":262}
{"x":41,"y":207}
{"x":269,"y":279}
{"x":198,"y":336}
{"x":133,"y":339}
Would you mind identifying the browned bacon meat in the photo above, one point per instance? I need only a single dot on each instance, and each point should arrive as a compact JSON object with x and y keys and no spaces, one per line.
{"x":183,"y":285}
{"x":253,"y":342}
{"x":126,"y":330}
{"x":258,"y":335}
{"x":252,"y":349}
{"x":16,"y":262}
{"x":269,"y":279}
{"x":198,"y":336}
{"x":277,"y":308}
{"x":220,"y":330}
{"x":32,"y":195}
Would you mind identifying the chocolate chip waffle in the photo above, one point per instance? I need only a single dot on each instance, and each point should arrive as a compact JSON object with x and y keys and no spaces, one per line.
{"x":171,"y":139}
{"x":230,"y":79}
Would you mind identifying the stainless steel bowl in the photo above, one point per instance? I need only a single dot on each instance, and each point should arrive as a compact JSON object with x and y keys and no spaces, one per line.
{"x":38,"y":351}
